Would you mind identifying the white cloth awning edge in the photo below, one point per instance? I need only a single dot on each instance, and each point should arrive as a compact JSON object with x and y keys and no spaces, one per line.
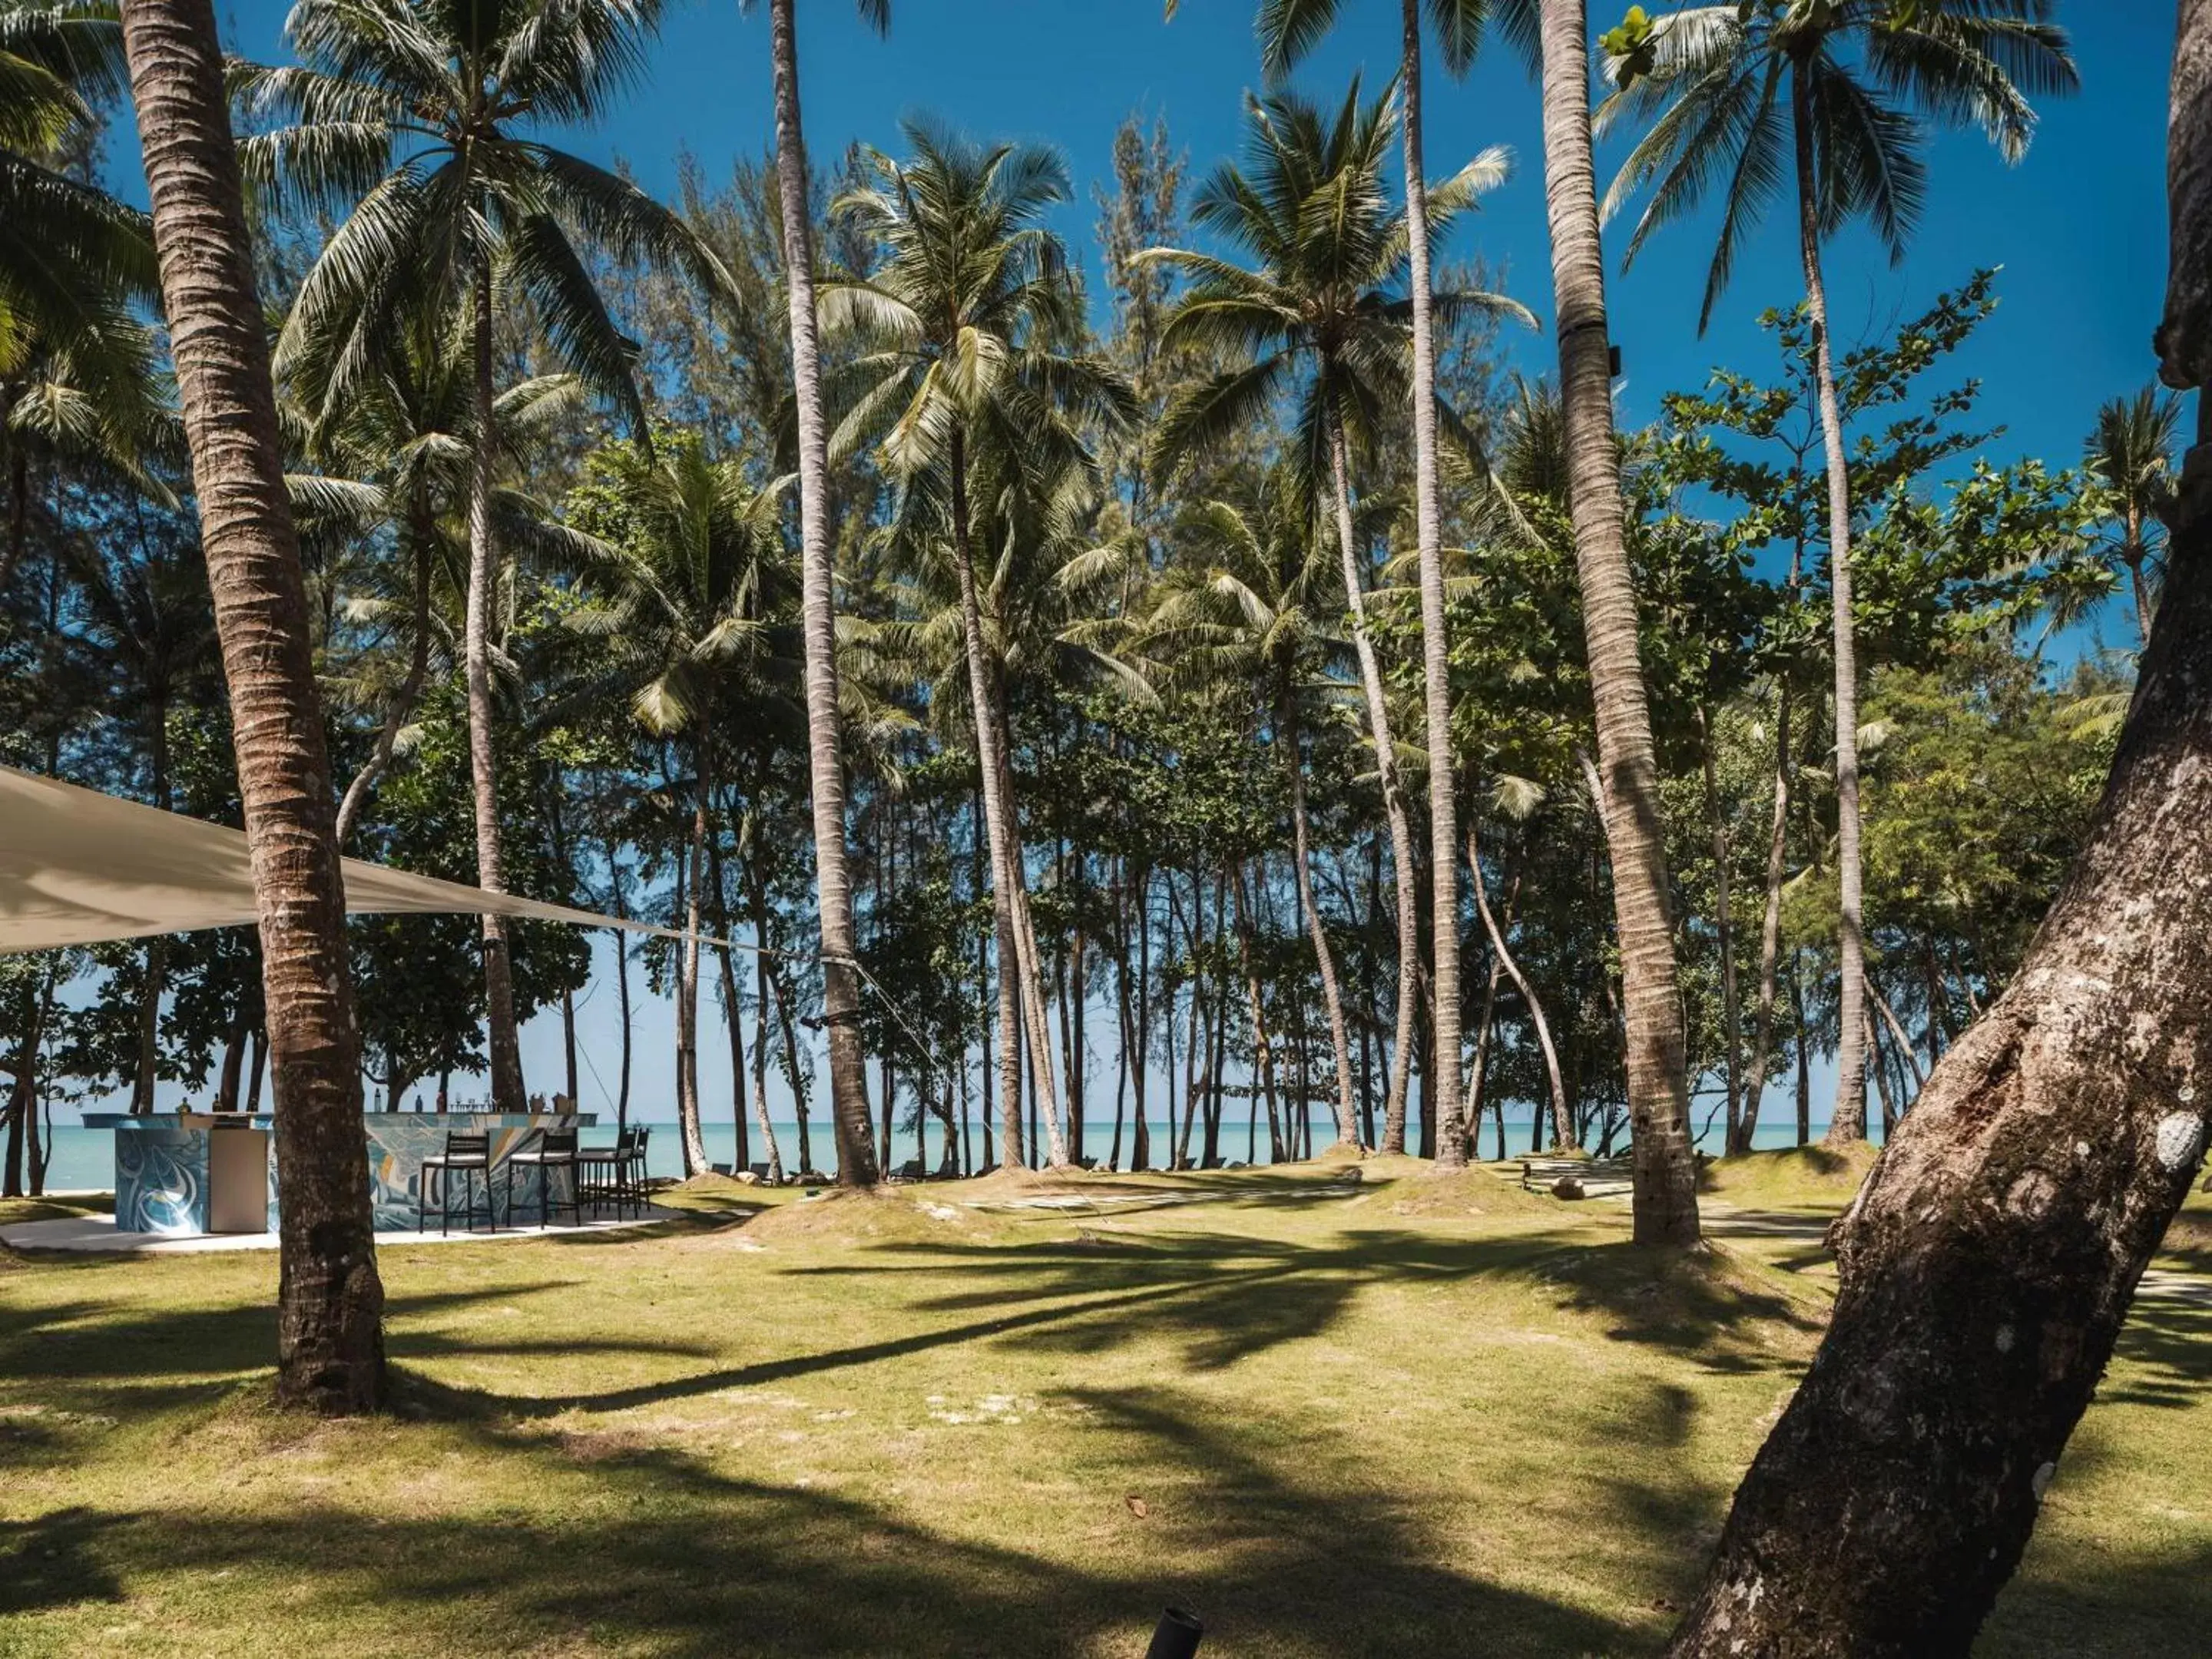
{"x":81,"y":867}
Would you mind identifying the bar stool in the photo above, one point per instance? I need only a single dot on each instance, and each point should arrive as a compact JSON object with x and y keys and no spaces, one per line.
{"x":469,"y":1155}
{"x":556,"y":1149}
{"x":601,"y":1170}
{"x":633,"y":1174}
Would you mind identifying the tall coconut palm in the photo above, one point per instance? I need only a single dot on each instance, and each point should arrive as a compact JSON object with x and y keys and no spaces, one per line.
{"x":1665,"y":1197}
{"x":330,"y":1331}
{"x":1320,"y":317}
{"x":968,"y":333}
{"x":1850,"y":86}
{"x":682,"y":612}
{"x":422,"y":120}
{"x":1256,"y":612}
{"x":1287,"y":29}
{"x":841,"y":992}
{"x":2132,"y":450}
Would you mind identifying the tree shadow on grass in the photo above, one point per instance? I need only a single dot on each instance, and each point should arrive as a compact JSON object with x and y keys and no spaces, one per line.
{"x":84,"y":1342}
{"x":52,"y":1561}
{"x":646,"y":1548}
{"x":2164,"y":1355}
{"x":1229,"y":1297}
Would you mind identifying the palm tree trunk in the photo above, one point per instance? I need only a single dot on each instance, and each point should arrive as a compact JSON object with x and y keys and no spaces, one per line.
{"x":1769,"y":929}
{"x":1479,"y":1073}
{"x":1563,"y":1125}
{"x":732,"y":1008}
{"x":402,"y":704}
{"x":1442,"y":1095}
{"x":622,"y":979}
{"x":686,"y":1008}
{"x":1666,"y":1198}
{"x":506,"y":1050}
{"x":841,"y":991}
{"x":1880,"y":1004}
{"x":1009,"y":898}
{"x":329,"y":1330}
{"x":1263,"y":1052}
{"x":1731,"y":1006}
{"x":756,"y":891}
{"x":1847,"y":1120}
{"x":1347,"y":1124}
{"x":1394,"y":799}
{"x":688,"y":1101}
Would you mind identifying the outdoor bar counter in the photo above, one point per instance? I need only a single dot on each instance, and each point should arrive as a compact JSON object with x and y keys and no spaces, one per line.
{"x":187,"y":1173}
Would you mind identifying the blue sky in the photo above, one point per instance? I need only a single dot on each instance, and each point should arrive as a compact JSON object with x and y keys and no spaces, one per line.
{"x":2079,"y":227}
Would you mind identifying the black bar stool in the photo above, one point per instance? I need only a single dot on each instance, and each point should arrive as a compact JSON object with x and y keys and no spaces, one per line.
{"x":600,"y":1170}
{"x":468,"y":1155}
{"x":556,"y":1149}
{"x":633,"y":1175}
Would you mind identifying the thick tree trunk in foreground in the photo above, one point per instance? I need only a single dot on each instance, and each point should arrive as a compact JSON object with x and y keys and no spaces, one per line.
{"x":504,"y":1043}
{"x":1394,"y":799}
{"x":330,"y":1331}
{"x":1666,"y":1198}
{"x":1847,"y":1120}
{"x":1442,"y":1095}
{"x":1988,"y":1263}
{"x":841,"y":990}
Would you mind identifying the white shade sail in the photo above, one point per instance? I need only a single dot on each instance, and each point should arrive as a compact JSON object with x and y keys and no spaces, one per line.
{"x":77,"y":867}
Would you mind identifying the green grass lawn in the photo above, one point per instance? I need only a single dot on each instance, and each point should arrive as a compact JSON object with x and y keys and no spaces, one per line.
{"x":1406,"y":1414}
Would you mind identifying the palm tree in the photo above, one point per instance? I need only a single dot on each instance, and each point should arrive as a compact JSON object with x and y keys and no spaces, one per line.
{"x":966,"y":332}
{"x":1253,"y":614}
{"x":415,"y":118}
{"x":1862,"y":77}
{"x":841,"y":992}
{"x":400,"y":456}
{"x":686,"y":595}
{"x":2132,"y":451}
{"x":330,"y":1331}
{"x":75,"y":363}
{"x":1665,"y":1196}
{"x":1321,"y":313}
{"x":1287,"y":29}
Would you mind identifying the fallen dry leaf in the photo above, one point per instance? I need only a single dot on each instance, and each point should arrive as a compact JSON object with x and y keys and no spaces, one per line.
{"x":1138,"y":1507}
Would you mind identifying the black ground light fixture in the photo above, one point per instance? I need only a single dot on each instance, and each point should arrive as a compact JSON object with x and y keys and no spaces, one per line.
{"x":1177,"y":1637}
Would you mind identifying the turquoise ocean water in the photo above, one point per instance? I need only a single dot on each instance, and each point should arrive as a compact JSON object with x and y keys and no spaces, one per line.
{"x":84,"y":1158}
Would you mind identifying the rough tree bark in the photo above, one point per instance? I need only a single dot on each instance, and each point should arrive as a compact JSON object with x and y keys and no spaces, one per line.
{"x":1987,"y":1264}
{"x":1666,"y":1198}
{"x":330,"y":1329}
{"x":841,"y":991}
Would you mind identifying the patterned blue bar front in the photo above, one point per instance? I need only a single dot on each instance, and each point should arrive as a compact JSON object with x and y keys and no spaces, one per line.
{"x":164,"y":1184}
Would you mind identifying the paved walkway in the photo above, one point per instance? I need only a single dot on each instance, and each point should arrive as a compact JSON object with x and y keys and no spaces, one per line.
{"x":96,"y":1235}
